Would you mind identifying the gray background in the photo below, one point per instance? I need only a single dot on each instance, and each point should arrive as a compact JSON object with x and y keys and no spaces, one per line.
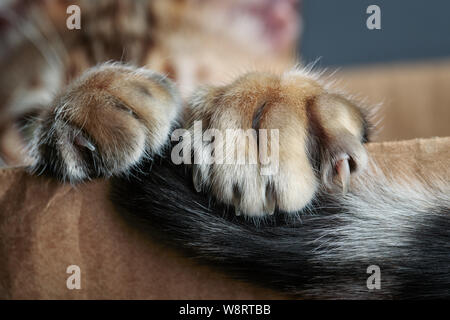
{"x":336,"y":31}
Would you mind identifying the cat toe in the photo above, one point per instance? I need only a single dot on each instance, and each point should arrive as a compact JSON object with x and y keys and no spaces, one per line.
{"x":104,"y":123}
{"x":272,"y":142}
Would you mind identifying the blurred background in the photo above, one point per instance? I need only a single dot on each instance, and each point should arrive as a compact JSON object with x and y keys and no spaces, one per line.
{"x":405,"y":64}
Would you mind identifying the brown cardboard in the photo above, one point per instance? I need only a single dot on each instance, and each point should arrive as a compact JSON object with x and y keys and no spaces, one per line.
{"x":46,"y":226}
{"x":415,"y":97}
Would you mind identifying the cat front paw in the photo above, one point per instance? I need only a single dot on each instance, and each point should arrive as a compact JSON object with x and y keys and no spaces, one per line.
{"x":104,"y":123}
{"x":296,"y":137}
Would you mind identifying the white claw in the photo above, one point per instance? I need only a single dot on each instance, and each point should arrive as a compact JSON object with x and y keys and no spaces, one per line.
{"x":343,"y":170}
{"x":196,"y":178}
{"x":236,"y":203}
{"x":82,"y":141}
{"x":269,"y":206}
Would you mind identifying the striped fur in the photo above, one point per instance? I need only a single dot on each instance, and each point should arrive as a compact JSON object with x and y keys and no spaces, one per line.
{"x":319,"y":248}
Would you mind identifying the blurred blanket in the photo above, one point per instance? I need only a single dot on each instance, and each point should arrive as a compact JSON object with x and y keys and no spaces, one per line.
{"x":45,"y":227}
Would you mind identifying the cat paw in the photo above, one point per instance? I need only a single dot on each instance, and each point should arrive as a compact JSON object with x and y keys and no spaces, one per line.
{"x":104,"y":123}
{"x":295,"y":135}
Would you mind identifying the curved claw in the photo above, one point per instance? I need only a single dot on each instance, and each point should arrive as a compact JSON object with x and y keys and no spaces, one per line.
{"x":270,"y":203}
{"x":236,"y":201}
{"x":196,"y":178}
{"x":82,"y":141}
{"x":343,"y":170}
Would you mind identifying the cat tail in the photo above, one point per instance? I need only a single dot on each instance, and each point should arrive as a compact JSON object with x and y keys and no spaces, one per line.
{"x":387,"y":239}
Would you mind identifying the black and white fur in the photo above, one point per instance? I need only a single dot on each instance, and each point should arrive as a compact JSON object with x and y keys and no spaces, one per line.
{"x":323,"y":252}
